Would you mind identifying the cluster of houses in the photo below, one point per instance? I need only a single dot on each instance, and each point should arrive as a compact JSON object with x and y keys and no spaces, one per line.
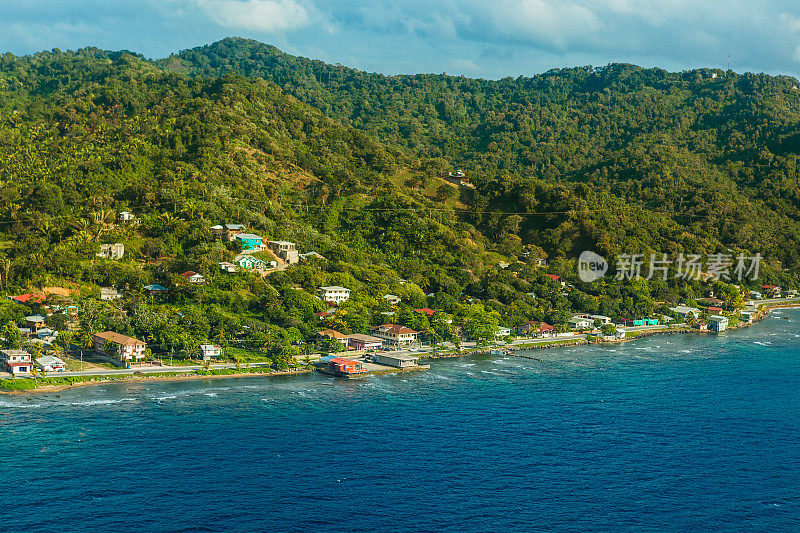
{"x":19,"y":363}
{"x":342,"y":366}
{"x":285,"y":251}
{"x":383,"y":336}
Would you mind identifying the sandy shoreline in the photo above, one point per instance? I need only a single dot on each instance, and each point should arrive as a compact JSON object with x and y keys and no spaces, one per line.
{"x":131,"y":378}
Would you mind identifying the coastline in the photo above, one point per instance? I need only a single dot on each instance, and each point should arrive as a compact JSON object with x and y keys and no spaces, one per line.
{"x":763,"y":312}
{"x":130,"y":378}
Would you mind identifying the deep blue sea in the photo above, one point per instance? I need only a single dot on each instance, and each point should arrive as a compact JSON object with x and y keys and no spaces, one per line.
{"x":670,"y":433}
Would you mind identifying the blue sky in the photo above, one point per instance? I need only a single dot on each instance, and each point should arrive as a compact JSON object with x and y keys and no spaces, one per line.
{"x":478,"y":38}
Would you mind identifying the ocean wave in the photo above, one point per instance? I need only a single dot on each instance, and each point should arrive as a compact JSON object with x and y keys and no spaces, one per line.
{"x":102,"y":402}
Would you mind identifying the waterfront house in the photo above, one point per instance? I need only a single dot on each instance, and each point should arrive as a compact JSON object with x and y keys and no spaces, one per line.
{"x":210,"y":351}
{"x":15,"y":361}
{"x":112,"y":251}
{"x":396,"y":359}
{"x":334,"y":294}
{"x":686,"y":312}
{"x":755,"y":295}
{"x":51,"y":363}
{"x":35,"y":322}
{"x":393,"y":299}
{"x":702,"y":326}
{"x":747,"y":316}
{"x":396,"y":334}
{"x":502,"y":332}
{"x":717,"y":323}
{"x":109,"y":293}
{"x":651,"y":321}
{"x":119,"y":346}
{"x":285,"y":250}
{"x":250,"y":242}
{"x":790,"y":294}
{"x":602,"y":318}
{"x":227,"y":232}
{"x":346,"y":367}
{"x":714,"y":310}
{"x":359,"y":341}
{"x":576,"y":323}
{"x":193,"y":277}
{"x":771,"y":291}
{"x":533,"y":328}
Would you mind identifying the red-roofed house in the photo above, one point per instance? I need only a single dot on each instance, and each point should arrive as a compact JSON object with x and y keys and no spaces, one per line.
{"x":425,"y":311}
{"x":714,"y":310}
{"x":395,"y":334}
{"x":194,"y":277}
{"x":28,"y":298}
{"x":346,"y":367}
{"x":556,"y":278}
{"x":772,"y":290}
{"x":536,"y":329}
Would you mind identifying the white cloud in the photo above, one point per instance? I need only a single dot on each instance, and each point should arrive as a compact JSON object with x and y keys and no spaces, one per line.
{"x":268,"y":16}
{"x":544,"y":22}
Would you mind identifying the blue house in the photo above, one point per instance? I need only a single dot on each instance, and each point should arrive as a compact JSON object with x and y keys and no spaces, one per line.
{"x":250,"y":242}
{"x":651,"y":321}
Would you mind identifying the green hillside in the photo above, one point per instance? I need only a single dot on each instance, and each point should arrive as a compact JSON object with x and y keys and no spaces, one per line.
{"x":714,"y":152}
{"x":351,"y":165}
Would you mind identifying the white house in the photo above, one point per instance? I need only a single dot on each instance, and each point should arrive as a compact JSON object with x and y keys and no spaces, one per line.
{"x":126,"y":217}
{"x":580,"y":323}
{"x":685,"y":311}
{"x":112,"y":251}
{"x":717,"y":323}
{"x":248,"y":262}
{"x":50,"y":363}
{"x":396,"y":334}
{"x":15,"y":361}
{"x":109,"y":293}
{"x":209,"y":351}
{"x":502,"y":332}
{"x":334,"y":294}
{"x":602,"y":318}
{"x":393,"y":299}
{"x":193,"y":277}
{"x":228,"y":268}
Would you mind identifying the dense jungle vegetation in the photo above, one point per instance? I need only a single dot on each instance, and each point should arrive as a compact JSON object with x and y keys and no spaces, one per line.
{"x":350,"y":164}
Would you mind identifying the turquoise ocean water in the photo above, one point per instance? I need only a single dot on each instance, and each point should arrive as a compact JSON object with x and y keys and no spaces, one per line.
{"x":670,"y":433}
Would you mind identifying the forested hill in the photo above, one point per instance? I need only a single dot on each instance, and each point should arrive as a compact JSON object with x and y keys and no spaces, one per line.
{"x":618,"y":159}
{"x":714,"y":151}
{"x":353,"y":166}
